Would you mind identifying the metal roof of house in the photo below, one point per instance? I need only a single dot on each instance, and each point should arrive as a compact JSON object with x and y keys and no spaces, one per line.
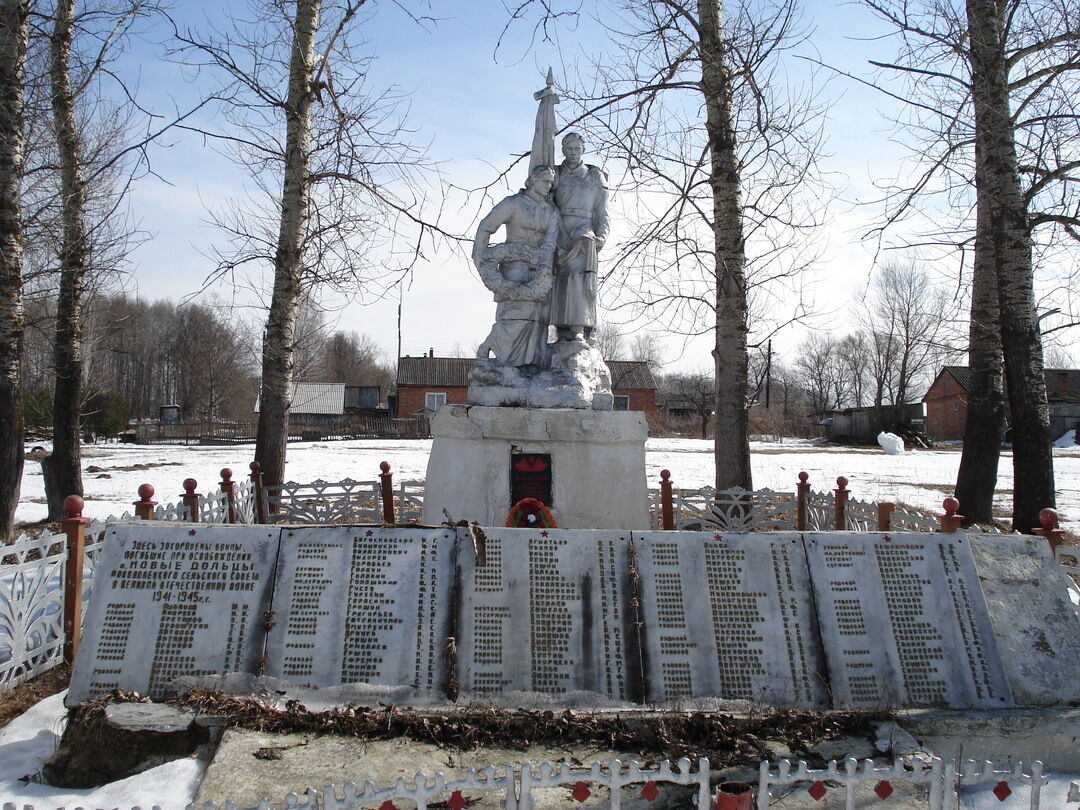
{"x":1052,"y":376}
{"x":316,"y":398}
{"x":453,"y":372}
{"x":631,"y":374}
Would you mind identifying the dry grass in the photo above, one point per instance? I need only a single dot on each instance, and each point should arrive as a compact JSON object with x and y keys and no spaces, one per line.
{"x":18,"y":699}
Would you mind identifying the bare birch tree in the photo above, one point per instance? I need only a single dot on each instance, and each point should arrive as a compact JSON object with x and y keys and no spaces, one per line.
{"x":14,"y":32}
{"x":332,"y":162}
{"x":991,"y":99}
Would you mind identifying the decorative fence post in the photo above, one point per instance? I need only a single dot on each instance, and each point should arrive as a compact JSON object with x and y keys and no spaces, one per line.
{"x":839,"y":519}
{"x":884,"y":516}
{"x":228,"y":486}
{"x":74,"y":528}
{"x":1049,"y":518}
{"x":802,"y":490}
{"x":386,"y":479}
{"x":144,"y":507}
{"x":667,"y":507}
{"x":191,"y":499}
{"x":950,"y":521}
{"x":261,"y":514}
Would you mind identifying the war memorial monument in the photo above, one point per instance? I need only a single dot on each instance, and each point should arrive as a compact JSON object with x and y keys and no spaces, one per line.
{"x":603,"y":604}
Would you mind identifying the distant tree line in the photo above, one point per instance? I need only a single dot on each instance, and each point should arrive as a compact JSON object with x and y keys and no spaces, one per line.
{"x":141,"y":355}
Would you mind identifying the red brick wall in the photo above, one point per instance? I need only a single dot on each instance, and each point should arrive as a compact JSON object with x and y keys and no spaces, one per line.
{"x":411,"y":400}
{"x":641,"y":400}
{"x":946,"y":409}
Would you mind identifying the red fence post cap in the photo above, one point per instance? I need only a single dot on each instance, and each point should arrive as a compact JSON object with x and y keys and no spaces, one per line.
{"x":146,"y":492}
{"x":385,"y":467}
{"x":665,"y":474}
{"x":73,"y":506}
{"x":951,"y":505}
{"x":255,"y":467}
{"x":841,"y":483}
{"x":1048,"y":518}
{"x":189,"y":486}
{"x":226,"y":474}
{"x":804,"y":476}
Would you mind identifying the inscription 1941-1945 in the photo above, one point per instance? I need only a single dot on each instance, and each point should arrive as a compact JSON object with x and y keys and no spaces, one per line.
{"x":194,"y":597}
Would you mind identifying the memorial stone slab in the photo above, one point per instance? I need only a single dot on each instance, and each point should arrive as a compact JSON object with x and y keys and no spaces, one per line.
{"x":731,"y":616}
{"x":1035,"y":621}
{"x":171,"y":600}
{"x":362,"y":604}
{"x":547,"y":612}
{"x":904,"y":623}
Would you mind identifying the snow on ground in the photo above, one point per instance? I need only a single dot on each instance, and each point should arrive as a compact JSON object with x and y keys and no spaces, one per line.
{"x":920,"y":478}
{"x":28,"y":741}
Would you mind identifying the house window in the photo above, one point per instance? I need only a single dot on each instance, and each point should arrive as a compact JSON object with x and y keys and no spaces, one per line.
{"x":433,"y":399}
{"x":621,"y":403}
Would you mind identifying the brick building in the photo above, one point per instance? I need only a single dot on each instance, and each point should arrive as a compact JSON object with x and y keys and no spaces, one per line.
{"x":424,"y":383}
{"x":946,"y":402}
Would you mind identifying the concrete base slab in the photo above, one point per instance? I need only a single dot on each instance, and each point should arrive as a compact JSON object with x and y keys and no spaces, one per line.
{"x":1049,"y":735}
{"x":250,"y":766}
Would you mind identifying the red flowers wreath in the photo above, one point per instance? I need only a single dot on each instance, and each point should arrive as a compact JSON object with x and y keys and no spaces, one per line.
{"x":530,"y":513}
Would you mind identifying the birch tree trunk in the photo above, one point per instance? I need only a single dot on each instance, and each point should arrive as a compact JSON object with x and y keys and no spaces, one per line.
{"x":732,"y":440}
{"x":14,"y":31}
{"x":64,"y":467}
{"x":976,"y":479}
{"x":998,"y":184}
{"x":279,"y":337}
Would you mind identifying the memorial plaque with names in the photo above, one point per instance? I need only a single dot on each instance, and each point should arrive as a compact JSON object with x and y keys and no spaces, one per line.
{"x":904,"y":622}
{"x":171,"y":600}
{"x":730,"y":616}
{"x":362,"y":604}
{"x":530,"y":477}
{"x":546,"y":613}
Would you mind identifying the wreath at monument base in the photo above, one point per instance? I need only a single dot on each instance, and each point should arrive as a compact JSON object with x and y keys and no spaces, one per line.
{"x":529,"y":513}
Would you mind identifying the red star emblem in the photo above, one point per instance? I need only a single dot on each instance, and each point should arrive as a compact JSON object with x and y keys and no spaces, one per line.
{"x":718,"y":537}
{"x":581,"y":792}
{"x":368,"y":533}
{"x":192,"y":532}
{"x":650,"y":791}
{"x":543,"y":534}
{"x":885,"y":538}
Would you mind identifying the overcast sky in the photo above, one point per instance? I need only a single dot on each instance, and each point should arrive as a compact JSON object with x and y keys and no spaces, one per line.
{"x":475,"y":111}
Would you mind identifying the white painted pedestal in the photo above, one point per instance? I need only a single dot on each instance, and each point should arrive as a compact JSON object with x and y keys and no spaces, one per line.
{"x":597,"y":459}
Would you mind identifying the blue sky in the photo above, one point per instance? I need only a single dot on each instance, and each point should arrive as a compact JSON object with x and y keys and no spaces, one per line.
{"x":475,"y":112}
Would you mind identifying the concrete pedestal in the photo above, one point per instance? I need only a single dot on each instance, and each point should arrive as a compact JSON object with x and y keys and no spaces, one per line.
{"x":597,"y":460}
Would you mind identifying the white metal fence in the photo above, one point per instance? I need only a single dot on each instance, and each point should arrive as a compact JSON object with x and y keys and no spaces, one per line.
{"x":937,"y":782}
{"x":32,"y":601}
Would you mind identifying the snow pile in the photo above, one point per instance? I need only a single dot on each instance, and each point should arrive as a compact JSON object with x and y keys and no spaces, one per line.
{"x":28,"y":741}
{"x":1066,"y":439}
{"x":892,"y":444}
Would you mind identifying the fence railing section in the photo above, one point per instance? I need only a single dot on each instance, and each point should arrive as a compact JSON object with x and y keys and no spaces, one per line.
{"x":740,"y":510}
{"x":938,"y":783}
{"x":32,"y":600}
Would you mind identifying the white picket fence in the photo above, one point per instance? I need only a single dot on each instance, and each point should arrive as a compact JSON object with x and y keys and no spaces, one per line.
{"x":938,"y":782}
